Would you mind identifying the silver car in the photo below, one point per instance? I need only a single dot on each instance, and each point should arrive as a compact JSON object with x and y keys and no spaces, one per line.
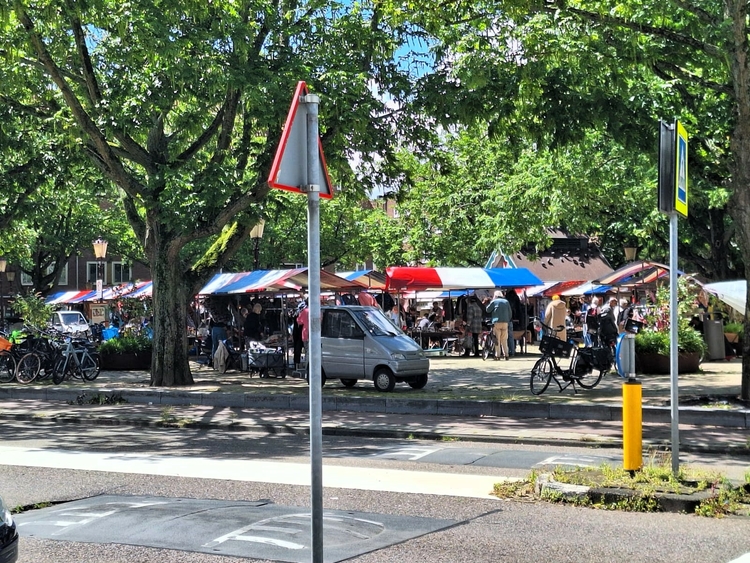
{"x":361,"y":343}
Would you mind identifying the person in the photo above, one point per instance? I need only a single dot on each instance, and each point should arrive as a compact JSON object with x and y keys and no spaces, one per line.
{"x":516,"y":322}
{"x":501,"y":314}
{"x":424,"y":322}
{"x":366,"y":300}
{"x":253,"y":325}
{"x":395,"y":316}
{"x":474,"y":318}
{"x":554,"y":316}
{"x":608,"y":321}
{"x":303,"y":319}
{"x":626,"y":313}
{"x":438,"y":312}
{"x":219,"y":319}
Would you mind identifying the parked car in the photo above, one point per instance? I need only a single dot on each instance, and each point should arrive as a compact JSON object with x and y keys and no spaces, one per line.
{"x":8,"y":536}
{"x":70,"y":322}
{"x":361,"y":343}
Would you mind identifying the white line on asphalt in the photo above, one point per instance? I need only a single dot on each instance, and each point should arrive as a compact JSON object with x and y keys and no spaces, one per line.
{"x":363,"y":478}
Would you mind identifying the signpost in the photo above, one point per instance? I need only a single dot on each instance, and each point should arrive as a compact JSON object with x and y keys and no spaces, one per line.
{"x":673,"y":199}
{"x":299,"y":166}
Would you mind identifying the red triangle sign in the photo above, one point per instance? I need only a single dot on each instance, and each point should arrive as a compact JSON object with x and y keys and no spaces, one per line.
{"x":289,"y":168}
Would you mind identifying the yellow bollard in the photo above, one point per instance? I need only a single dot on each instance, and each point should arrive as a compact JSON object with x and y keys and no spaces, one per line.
{"x":632,"y":425}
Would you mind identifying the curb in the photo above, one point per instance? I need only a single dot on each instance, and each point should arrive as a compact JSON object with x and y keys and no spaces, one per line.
{"x":695,"y":416}
{"x":590,"y":440}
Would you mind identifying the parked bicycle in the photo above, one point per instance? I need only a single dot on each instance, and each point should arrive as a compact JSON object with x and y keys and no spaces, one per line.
{"x":79,"y":359}
{"x":584,"y":362}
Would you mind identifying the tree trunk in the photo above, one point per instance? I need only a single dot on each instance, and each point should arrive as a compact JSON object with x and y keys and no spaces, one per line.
{"x":169,"y":363}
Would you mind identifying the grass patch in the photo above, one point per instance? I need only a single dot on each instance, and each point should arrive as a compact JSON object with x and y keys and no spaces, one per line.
{"x":613,"y":488}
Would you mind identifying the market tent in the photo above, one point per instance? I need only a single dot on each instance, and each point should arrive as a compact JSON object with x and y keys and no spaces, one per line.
{"x":294,"y":280}
{"x":733,"y":293}
{"x":67,"y":297}
{"x":371,"y":279}
{"x":586,"y":288}
{"x":636,"y":273}
{"x":418,"y":279}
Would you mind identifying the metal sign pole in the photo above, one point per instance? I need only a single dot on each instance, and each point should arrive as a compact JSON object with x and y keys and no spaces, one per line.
{"x":673,"y":326}
{"x":314,"y":345}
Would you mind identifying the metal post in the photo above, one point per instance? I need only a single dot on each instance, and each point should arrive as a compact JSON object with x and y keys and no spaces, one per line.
{"x":673,"y":355}
{"x":313,"y":260}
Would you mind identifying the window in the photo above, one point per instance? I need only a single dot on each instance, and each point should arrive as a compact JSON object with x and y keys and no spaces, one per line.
{"x":26,"y":278}
{"x":121,"y":272}
{"x":340,"y":324}
{"x":92,"y":275}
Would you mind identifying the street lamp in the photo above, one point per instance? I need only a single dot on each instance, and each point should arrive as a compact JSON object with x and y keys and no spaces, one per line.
{"x":630,"y":253}
{"x":100,"y":252}
{"x":3,"y":265}
{"x":256,"y":234}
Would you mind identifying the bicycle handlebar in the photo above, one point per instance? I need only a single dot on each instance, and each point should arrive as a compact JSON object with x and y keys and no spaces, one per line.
{"x":537,"y":322}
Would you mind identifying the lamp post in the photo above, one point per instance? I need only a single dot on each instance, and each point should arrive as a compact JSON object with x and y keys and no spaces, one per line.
{"x":3,"y":265}
{"x":256,"y":234}
{"x":100,"y":252}
{"x":630,"y":253}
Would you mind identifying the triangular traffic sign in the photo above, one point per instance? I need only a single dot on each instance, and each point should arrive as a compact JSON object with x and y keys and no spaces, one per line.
{"x":289,"y":168}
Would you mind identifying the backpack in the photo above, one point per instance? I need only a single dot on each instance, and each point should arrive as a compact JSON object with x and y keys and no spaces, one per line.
{"x":592,"y":319}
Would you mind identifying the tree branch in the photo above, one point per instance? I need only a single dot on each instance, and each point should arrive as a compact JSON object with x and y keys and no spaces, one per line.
{"x":647,"y":29}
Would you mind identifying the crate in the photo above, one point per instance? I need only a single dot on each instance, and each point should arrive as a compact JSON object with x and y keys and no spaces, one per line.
{"x":556,"y":347}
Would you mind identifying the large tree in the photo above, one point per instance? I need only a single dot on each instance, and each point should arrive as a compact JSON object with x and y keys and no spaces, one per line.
{"x":552,"y":70}
{"x":180,"y":105}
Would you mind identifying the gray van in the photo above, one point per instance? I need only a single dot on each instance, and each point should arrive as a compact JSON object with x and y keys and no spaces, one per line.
{"x":361,"y":343}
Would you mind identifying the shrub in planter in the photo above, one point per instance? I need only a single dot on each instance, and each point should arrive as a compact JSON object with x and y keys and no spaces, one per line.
{"x":126,"y":352}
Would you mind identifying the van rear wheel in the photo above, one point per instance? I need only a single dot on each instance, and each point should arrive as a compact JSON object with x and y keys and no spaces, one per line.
{"x":348,"y":382}
{"x":322,"y":376}
{"x":384,"y":380}
{"x":419,"y":382}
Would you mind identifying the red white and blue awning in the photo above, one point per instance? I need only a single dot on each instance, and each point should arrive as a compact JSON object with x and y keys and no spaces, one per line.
{"x":126,"y":290}
{"x":371,"y":279}
{"x":294,"y":280}
{"x":418,"y":279}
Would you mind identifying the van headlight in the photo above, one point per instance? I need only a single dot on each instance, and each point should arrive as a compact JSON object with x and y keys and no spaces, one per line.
{"x":398,"y":356}
{"x":5,"y":515}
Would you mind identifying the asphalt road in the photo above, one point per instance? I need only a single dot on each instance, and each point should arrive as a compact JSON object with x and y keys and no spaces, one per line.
{"x":485,"y":529}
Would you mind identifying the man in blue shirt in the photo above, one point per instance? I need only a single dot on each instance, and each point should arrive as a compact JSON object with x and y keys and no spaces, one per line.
{"x":500,"y":314}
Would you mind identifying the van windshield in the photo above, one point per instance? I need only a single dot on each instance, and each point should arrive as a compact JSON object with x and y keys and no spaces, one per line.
{"x":71,"y":318}
{"x":376,"y":324}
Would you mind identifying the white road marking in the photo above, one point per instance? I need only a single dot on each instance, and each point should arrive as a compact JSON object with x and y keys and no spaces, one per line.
{"x":362,"y":478}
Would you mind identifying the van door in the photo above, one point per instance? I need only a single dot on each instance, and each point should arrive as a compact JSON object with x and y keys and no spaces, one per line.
{"x":343,"y":343}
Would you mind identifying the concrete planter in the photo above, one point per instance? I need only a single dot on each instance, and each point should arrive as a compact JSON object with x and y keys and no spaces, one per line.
{"x":135,"y":361}
{"x":659,"y":364}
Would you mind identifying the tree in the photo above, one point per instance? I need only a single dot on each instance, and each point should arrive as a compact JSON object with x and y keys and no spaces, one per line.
{"x":180,"y":105}
{"x":553,"y":70}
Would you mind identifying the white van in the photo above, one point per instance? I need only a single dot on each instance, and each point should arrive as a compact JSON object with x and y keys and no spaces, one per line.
{"x":361,"y":343}
{"x":70,"y":322}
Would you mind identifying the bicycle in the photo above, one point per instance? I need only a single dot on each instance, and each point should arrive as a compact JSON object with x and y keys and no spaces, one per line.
{"x":583,"y":363}
{"x":78,"y":359}
{"x":489,"y":344}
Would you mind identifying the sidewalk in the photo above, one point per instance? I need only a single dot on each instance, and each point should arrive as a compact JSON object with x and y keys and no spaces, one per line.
{"x":466,"y":398}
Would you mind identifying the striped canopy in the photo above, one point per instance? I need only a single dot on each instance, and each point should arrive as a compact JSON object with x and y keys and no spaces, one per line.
{"x":372,"y":279}
{"x":640,"y":272}
{"x":418,"y":279}
{"x":294,"y":280}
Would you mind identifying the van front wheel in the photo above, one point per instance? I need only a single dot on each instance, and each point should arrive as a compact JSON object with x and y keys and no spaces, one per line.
{"x":419,"y":382}
{"x":348,"y":382}
{"x":384,"y":380}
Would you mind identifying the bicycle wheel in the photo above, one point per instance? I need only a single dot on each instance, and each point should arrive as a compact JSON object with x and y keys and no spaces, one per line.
{"x":89,"y":368}
{"x":59,"y":372}
{"x":488,"y":347}
{"x":7,"y":367}
{"x":28,"y":368}
{"x":588,"y":380}
{"x":541,"y":374}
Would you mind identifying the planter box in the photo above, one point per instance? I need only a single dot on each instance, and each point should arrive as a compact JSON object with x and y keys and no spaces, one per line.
{"x":658,"y":364}
{"x":140,"y":361}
